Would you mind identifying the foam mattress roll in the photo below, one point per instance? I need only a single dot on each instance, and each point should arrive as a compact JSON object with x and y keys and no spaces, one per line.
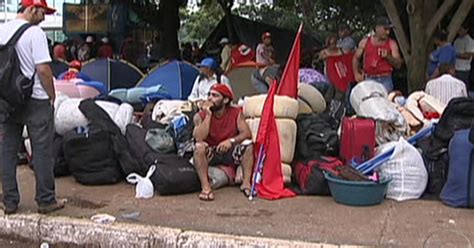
{"x":287,"y":136}
{"x":284,"y":106}
{"x":286,"y":171}
{"x":312,"y":97}
{"x":303,"y":107}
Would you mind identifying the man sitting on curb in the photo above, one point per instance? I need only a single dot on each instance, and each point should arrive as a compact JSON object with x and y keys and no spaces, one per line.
{"x":222,"y":139}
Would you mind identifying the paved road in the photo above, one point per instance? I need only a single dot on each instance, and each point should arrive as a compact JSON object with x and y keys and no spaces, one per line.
{"x":419,"y":223}
{"x":9,"y":243}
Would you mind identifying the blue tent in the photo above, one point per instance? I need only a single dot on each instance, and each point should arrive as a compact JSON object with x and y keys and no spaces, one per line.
{"x":176,"y":77}
{"x":113,"y":73}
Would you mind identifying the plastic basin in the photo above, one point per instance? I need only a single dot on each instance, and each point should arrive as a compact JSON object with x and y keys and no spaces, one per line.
{"x":357,"y":193}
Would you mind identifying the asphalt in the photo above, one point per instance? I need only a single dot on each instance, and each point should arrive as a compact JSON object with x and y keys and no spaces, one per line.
{"x":417,"y":223}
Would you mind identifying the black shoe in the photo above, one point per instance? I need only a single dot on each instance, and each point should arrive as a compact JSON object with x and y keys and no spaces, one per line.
{"x":46,"y":209}
{"x":9,"y":210}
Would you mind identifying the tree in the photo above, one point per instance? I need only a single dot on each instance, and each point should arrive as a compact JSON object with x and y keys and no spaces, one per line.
{"x":169,"y":26}
{"x":424,"y":17}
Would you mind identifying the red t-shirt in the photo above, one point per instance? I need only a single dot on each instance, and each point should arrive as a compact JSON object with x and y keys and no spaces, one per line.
{"x":222,"y":128}
{"x":106,"y":51}
{"x":373,"y":63}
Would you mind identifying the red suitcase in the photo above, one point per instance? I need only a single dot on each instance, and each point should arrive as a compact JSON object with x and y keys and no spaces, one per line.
{"x":357,"y":139}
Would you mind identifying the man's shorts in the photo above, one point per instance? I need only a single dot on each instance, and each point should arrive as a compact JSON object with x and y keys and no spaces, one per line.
{"x":226,"y":162}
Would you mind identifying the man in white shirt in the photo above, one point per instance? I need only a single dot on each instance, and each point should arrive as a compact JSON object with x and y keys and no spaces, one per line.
{"x":36,"y":114}
{"x":446,"y":86}
{"x":265,"y":52}
{"x":207,"y":78}
{"x":464,"y":50}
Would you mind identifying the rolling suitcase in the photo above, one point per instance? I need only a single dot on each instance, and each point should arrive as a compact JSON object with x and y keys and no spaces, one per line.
{"x":357,"y":139}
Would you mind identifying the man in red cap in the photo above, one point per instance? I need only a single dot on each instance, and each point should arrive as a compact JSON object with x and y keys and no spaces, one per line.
{"x":36,"y":114}
{"x":222,"y":143}
{"x":265,"y":51}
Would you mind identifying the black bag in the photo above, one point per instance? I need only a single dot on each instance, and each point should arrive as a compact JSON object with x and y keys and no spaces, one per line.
{"x":90,"y":156}
{"x":316,"y":136}
{"x":15,"y":88}
{"x":61,"y":167}
{"x":174,"y":175}
{"x":458,"y":115}
{"x":436,"y":160}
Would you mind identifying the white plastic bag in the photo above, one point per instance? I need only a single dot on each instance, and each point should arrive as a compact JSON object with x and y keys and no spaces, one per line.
{"x":144,"y":187}
{"x":407,"y":170}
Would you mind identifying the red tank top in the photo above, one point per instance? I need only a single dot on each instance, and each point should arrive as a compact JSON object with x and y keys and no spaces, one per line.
{"x":373,"y":63}
{"x":222,"y":128}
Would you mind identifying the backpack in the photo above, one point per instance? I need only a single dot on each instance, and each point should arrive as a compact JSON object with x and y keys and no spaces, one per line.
{"x":310,"y":178}
{"x":90,"y":156}
{"x":15,"y":88}
{"x":316,"y":136}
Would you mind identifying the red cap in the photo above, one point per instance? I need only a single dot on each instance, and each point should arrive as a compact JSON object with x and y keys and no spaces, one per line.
{"x":76,"y":64}
{"x":266,"y":34}
{"x":224,"y":90}
{"x":40,"y":4}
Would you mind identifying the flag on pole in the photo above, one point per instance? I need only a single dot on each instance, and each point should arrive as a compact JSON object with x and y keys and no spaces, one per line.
{"x":290,"y":77}
{"x":270,"y":183}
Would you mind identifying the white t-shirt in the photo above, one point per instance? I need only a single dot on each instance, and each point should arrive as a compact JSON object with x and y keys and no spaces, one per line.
{"x":32,"y":49}
{"x":201,"y":87}
{"x":464,"y":45}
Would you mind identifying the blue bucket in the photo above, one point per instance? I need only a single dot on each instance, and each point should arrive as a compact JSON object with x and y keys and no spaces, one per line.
{"x":357,"y":193}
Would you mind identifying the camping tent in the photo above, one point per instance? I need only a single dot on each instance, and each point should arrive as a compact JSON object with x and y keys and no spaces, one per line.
{"x":58,"y":67}
{"x":176,"y":77}
{"x":249,"y":33}
{"x":113,"y":73}
{"x":239,"y":77}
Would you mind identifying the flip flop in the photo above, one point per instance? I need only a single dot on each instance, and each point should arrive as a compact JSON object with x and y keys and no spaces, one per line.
{"x":206,"y":196}
{"x":246,"y":191}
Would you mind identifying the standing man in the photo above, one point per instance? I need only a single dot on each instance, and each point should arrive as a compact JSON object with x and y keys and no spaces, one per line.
{"x":464,"y":50}
{"x":345,"y":41}
{"x":265,"y":51}
{"x":226,"y":54}
{"x":36,"y":114}
{"x":207,"y":78}
{"x":380,"y":55}
{"x":445,"y":53}
{"x":220,"y":131}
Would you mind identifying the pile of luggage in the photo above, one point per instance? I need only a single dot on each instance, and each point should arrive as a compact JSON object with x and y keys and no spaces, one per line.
{"x":424,"y":147}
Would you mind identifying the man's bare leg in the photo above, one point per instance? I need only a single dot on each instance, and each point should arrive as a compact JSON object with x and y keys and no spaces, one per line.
{"x":201,"y":164}
{"x":247,"y":167}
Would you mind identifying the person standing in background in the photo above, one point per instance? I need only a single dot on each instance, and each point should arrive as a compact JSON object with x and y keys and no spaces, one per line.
{"x":265,"y":51}
{"x":464,"y":46}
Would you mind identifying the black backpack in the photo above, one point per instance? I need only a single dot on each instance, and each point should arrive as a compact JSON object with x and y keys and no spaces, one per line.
{"x":15,"y":88}
{"x":316,"y":136}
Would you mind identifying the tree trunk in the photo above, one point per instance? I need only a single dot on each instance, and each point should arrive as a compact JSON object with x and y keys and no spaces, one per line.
{"x":227,"y":7}
{"x":169,"y":11}
{"x":417,"y":64}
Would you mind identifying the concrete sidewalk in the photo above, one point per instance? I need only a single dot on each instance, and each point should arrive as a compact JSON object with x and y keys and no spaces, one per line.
{"x":232,"y":221}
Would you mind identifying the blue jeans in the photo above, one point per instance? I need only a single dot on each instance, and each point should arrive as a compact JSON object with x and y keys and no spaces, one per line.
{"x":260,"y":86}
{"x":37,"y":115}
{"x":386,"y":81}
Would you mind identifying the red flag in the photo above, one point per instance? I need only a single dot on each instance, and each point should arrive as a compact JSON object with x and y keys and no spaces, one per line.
{"x":271,"y":187}
{"x":290,"y":77}
{"x":339,"y":70}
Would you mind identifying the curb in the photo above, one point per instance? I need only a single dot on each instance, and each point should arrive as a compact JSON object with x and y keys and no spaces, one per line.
{"x":65,"y":230}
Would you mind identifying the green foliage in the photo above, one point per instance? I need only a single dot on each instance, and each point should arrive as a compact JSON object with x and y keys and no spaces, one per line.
{"x":197,"y":25}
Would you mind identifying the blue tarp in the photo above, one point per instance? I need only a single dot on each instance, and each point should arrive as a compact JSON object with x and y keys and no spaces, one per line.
{"x":113,"y":73}
{"x":176,"y":77}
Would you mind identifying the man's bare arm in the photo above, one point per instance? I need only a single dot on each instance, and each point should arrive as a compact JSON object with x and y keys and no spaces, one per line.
{"x":201,"y":127}
{"x":244,"y":130}
{"x":358,"y":74}
{"x":46,"y":77}
{"x":394,"y":58}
